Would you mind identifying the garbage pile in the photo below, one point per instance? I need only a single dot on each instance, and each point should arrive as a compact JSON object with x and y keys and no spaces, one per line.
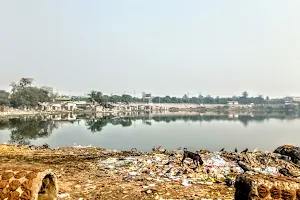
{"x":164,"y":168}
{"x":158,"y":167}
{"x":264,"y":162}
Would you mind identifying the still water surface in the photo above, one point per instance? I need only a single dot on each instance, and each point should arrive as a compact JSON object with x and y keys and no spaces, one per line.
{"x":194,"y":131}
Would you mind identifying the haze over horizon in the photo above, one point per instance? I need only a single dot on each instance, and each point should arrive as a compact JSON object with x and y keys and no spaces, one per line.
{"x":166,"y":47}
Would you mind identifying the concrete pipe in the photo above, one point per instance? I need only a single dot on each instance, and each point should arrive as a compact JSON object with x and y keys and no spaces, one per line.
{"x":28,"y":184}
{"x":254,"y":187}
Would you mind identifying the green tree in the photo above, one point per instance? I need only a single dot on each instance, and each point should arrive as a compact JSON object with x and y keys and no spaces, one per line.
{"x":4,"y":98}
{"x":267,"y":99}
{"x":185,"y":98}
{"x":259,"y":100}
{"x":200,"y":97}
{"x":217,"y":100}
{"x":245,"y":95}
{"x":126,"y":98}
{"x":25,"y":95}
{"x":97,"y":97}
{"x":208,"y":99}
{"x":115,"y":98}
{"x":29,"y":97}
{"x":24,"y":82}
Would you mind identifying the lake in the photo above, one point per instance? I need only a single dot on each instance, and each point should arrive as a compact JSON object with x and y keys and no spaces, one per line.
{"x":143,"y":131}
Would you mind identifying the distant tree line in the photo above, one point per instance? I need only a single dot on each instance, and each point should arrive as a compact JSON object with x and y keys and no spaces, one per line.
{"x":24,"y":95}
{"x":96,"y":96}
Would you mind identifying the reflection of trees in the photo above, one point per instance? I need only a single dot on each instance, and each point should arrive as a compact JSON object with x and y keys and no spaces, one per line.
{"x":24,"y":130}
{"x":96,"y":125}
{"x":245,"y":119}
{"x":4,"y":124}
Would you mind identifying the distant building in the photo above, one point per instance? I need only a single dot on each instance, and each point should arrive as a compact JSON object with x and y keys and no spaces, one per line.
{"x":69,"y":106}
{"x":290,"y":103}
{"x":4,"y":109}
{"x":251,"y":105}
{"x":296,"y":99}
{"x":232,"y":103}
{"x":56,"y":107}
{"x":63,"y":99}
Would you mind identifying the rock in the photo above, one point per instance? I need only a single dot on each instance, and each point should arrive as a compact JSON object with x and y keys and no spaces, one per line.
{"x":149,"y":191}
{"x":285,"y":158}
{"x":291,"y":151}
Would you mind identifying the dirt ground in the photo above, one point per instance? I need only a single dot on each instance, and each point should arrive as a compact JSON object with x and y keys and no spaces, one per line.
{"x":79,"y":176}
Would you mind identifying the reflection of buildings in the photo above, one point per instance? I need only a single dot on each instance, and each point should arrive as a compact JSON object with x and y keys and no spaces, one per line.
{"x":147,"y":120}
{"x":230,"y":103}
{"x":60,"y":117}
{"x":234,"y":116}
{"x":69,"y":106}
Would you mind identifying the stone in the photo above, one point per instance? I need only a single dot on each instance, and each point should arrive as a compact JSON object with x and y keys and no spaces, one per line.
{"x":291,"y":151}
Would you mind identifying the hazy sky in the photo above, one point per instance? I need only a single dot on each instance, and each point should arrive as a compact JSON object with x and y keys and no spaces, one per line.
{"x":164,"y":47}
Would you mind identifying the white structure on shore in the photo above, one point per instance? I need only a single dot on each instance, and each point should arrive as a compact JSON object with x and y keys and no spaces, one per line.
{"x":296,"y":99}
{"x":232,"y":103}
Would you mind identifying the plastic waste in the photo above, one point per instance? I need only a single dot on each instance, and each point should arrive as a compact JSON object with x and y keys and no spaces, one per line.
{"x":162,"y":168}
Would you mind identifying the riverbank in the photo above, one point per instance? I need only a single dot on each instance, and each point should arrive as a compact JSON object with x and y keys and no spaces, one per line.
{"x":95,"y":173}
{"x":174,"y":111}
{"x":19,"y":113}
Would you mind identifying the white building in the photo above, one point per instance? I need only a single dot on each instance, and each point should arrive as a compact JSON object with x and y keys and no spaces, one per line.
{"x":232,"y":103}
{"x":296,"y":99}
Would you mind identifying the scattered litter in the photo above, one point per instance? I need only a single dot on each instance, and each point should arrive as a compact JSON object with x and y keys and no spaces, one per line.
{"x":163,"y":168}
{"x":65,"y":195}
{"x":186,"y":183}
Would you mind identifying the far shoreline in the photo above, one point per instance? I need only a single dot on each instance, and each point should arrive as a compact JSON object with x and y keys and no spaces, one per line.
{"x":213,"y":111}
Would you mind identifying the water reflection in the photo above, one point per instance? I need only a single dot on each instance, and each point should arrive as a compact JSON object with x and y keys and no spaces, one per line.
{"x":96,"y":125}
{"x":22,"y":130}
{"x":124,"y":121}
{"x":25,"y":129}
